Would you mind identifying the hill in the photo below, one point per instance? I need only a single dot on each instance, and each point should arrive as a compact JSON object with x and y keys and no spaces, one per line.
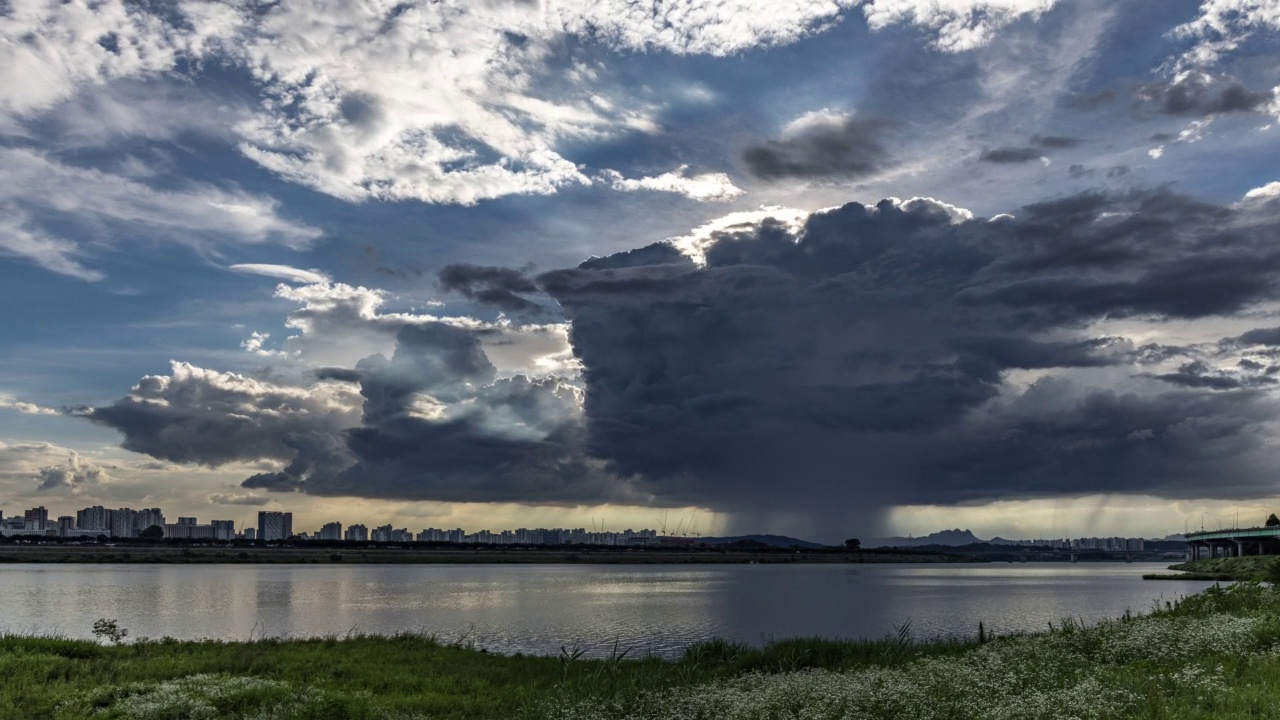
{"x":952,"y":538}
{"x":781,"y":541}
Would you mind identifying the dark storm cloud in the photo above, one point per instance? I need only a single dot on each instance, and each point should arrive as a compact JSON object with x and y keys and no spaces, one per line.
{"x":497,"y":286}
{"x":861,"y":362}
{"x":1260,"y":336}
{"x":1200,"y":95}
{"x":840,"y":149}
{"x":865,"y":358}
{"x":1010,"y":155}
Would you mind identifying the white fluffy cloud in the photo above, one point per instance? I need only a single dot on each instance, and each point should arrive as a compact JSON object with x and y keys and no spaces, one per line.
{"x":9,"y":402}
{"x":960,"y":24}
{"x":703,"y":187}
{"x":1223,"y":24}
{"x":436,"y":101}
{"x":337,"y":324}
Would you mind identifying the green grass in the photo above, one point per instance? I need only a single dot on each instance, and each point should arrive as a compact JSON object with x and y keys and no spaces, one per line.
{"x":1214,"y":655}
{"x":1248,"y":567}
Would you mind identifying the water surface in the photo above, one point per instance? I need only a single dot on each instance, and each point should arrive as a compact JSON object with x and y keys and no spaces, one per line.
{"x":539,"y":608}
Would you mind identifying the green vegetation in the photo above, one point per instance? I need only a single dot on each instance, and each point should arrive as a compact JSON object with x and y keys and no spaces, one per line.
{"x":1249,"y":567}
{"x":1214,"y":655}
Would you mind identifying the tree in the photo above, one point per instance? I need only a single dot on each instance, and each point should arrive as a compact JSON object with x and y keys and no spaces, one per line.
{"x":1272,"y":520}
{"x":155,"y":532}
{"x":853,"y":544}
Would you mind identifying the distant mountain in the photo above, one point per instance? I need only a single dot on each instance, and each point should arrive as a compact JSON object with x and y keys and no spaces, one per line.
{"x":944,"y":537}
{"x":770,"y":540}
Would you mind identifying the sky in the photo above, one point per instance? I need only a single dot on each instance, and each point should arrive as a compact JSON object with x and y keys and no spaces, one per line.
{"x":826,"y":268}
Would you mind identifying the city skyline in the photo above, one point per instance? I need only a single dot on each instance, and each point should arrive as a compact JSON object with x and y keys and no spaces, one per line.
{"x":810,"y":268}
{"x":91,"y":521}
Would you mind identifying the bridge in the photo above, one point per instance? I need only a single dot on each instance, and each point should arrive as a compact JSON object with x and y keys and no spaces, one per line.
{"x":1234,"y":543}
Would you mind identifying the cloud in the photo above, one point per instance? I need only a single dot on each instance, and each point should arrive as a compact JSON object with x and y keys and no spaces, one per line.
{"x":282,"y":272}
{"x":960,"y":24}
{"x":821,"y":145}
{"x":199,"y":416}
{"x":11,"y":403}
{"x":51,"y":466}
{"x":1010,"y":155}
{"x":501,"y":287}
{"x":867,"y":357}
{"x":705,"y":187}
{"x":40,"y":192}
{"x":72,"y":475}
{"x":823,"y":365}
{"x":1200,"y":94}
{"x":1055,"y":142}
{"x":345,"y":109}
{"x":439,"y":425}
{"x":248,"y":499}
{"x":1223,"y":25}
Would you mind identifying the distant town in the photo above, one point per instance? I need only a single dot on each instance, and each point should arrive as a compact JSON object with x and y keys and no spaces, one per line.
{"x":150,"y":523}
{"x":97,"y":521}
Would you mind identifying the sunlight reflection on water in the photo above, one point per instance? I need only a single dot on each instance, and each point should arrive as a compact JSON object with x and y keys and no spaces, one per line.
{"x":538,"y":608}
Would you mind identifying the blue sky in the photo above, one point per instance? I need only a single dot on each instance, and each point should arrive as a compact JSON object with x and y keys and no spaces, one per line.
{"x":170,"y":168}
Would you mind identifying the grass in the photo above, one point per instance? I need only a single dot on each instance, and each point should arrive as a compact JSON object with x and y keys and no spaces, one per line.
{"x":1247,"y":567}
{"x":1213,"y":655}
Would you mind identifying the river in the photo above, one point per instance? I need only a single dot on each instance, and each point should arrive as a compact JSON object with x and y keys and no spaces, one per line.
{"x":539,"y":608}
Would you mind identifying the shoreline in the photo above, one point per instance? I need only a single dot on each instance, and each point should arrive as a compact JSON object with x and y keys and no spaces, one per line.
{"x":133,"y":554}
{"x":1221,"y":667}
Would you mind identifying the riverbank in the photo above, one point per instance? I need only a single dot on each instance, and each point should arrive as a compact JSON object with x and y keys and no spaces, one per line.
{"x":1250,"y":567}
{"x":1213,"y":655}
{"x":132,"y":553}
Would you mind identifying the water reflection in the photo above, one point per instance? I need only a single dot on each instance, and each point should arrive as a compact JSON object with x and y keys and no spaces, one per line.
{"x":537,"y":609}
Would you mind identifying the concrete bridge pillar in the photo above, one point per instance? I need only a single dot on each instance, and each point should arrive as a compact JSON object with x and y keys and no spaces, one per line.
{"x":1239,"y":547}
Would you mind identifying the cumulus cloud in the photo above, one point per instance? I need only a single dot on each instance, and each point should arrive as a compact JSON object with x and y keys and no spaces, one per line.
{"x":347,"y":110}
{"x":50,"y":466}
{"x":11,"y":403}
{"x":199,"y":416}
{"x":71,"y":475}
{"x":824,"y":365}
{"x":865,"y":358}
{"x":704,"y":187}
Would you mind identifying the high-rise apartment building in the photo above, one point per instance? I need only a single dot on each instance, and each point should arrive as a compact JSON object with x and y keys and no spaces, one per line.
{"x":274,"y":525}
{"x":331,"y":531}
{"x":122,"y":523}
{"x":250,"y":534}
{"x":94,"y":518}
{"x":357,"y":533}
{"x":36,"y":519}
{"x":146,"y":518}
{"x":224,"y":529}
